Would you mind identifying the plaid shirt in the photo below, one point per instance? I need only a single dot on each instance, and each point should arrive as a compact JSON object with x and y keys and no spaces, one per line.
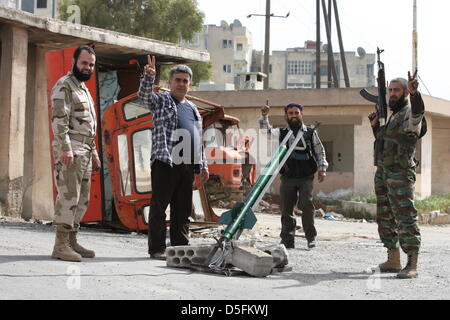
{"x":165,"y":120}
{"x":319,"y":150}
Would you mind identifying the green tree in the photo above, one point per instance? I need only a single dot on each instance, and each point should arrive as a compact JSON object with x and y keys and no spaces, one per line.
{"x":201,"y":71}
{"x":166,"y":20}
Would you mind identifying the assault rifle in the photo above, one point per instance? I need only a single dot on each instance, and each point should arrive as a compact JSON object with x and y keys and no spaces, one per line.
{"x":380,"y":100}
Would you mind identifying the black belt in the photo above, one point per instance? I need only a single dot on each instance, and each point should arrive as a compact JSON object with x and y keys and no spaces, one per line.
{"x":82,"y":139}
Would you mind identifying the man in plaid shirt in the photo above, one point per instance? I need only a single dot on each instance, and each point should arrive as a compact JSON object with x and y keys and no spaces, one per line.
{"x":297,"y":175}
{"x":177,"y":154}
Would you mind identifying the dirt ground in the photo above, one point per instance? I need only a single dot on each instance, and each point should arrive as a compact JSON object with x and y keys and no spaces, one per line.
{"x":338,"y":268}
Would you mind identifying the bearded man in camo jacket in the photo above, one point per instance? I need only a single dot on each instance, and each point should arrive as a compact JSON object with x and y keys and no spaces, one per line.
{"x":74,"y":124}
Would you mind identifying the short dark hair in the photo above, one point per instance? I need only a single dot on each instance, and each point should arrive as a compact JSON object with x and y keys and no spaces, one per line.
{"x":180,"y":69}
{"x":78,"y":51}
{"x":293,"y":105}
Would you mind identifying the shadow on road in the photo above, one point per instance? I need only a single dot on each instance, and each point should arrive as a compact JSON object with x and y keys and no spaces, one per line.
{"x":311,"y":279}
{"x":27,"y":258}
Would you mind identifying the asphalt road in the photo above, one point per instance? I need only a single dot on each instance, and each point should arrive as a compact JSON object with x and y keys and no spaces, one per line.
{"x":335,"y":269}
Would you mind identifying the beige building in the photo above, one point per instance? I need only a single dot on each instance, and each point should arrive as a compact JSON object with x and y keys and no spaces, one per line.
{"x":230,"y":48}
{"x":346,"y":134}
{"x":296,"y":67}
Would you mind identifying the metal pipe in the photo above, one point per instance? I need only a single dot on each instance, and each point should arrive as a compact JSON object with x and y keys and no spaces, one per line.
{"x":330,"y":47}
{"x":415,"y":39}
{"x":318,"y":44}
{"x":267,"y":46}
{"x":341,"y":46}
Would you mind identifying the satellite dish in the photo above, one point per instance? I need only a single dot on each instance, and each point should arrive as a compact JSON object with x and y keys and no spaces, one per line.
{"x":361,"y":52}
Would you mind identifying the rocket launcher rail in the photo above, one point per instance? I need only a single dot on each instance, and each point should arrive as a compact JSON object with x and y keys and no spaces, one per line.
{"x":242,"y":216}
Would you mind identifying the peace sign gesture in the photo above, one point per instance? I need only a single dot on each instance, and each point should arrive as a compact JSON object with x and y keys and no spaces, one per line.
{"x":150,"y":68}
{"x":413,"y":84}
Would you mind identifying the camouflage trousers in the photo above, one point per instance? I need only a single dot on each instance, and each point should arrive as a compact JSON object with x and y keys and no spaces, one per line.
{"x":73,"y":184}
{"x":396,"y":215}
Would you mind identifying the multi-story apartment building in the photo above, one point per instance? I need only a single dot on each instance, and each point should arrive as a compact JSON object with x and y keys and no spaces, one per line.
{"x":47,"y":8}
{"x":296,"y":68}
{"x":230,"y":48}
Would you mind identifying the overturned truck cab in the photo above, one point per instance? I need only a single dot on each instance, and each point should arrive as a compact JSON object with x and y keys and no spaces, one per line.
{"x":127,"y":130}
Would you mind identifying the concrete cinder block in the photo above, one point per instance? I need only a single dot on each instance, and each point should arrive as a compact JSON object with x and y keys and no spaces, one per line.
{"x":279,"y":254}
{"x":186,"y":256}
{"x":252,"y":260}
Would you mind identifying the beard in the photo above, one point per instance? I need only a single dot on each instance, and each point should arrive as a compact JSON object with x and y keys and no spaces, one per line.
{"x":294,"y":123}
{"x":80,"y":75}
{"x":399,"y":104}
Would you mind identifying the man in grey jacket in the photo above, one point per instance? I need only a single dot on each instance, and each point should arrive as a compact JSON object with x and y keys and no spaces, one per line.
{"x":297,"y":175}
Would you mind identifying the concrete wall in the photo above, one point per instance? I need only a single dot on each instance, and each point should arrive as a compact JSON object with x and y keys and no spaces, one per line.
{"x":13,"y":73}
{"x":440,"y":177}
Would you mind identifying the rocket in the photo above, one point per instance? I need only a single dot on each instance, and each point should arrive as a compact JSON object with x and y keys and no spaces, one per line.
{"x":241,"y":216}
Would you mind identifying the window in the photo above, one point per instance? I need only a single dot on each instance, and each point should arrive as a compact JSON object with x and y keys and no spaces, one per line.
{"x":41,"y":4}
{"x":142,"y":142}
{"x":227,"y":68}
{"x":299,"y":86}
{"x":227,"y":44}
{"x":239,"y":47}
{"x":122,"y":143}
{"x":133,"y":110}
{"x":360,"y":69}
{"x":299,"y":67}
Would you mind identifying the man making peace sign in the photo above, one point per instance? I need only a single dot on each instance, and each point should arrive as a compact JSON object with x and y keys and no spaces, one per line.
{"x":395,"y":147}
{"x":177,"y":154}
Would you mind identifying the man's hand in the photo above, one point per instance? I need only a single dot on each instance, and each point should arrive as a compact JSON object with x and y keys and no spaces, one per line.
{"x":204,"y":176}
{"x":321,"y":176}
{"x":96,"y":164}
{"x":373,"y":117}
{"x":413,"y":84}
{"x":150,"y":68}
{"x":265,"y":110}
{"x":67,"y":158}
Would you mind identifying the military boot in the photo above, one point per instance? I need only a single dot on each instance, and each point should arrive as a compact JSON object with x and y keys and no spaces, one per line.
{"x":85,"y":253}
{"x":393,"y":262}
{"x":410,"y":271}
{"x":62,"y":249}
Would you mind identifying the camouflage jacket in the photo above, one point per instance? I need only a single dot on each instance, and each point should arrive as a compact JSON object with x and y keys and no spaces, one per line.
{"x":73,"y":114}
{"x":395,"y":143}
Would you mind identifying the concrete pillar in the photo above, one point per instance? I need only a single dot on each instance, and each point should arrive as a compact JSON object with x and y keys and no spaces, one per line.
{"x":38,"y":191}
{"x":423,"y":185}
{"x":13,"y":73}
{"x":364,"y":169}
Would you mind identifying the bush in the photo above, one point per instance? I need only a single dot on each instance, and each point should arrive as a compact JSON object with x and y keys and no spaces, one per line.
{"x":435,"y":202}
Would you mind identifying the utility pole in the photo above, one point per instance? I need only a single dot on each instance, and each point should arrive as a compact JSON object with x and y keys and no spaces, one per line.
{"x":341,"y":45}
{"x":330,"y":54}
{"x":317,"y":44}
{"x":330,"y":47}
{"x":414,"y":38}
{"x":267,"y":46}
{"x":268,"y":15}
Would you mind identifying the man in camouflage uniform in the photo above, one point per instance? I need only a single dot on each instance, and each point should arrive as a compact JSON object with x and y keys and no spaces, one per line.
{"x":74,"y":125}
{"x":394,"y":153}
